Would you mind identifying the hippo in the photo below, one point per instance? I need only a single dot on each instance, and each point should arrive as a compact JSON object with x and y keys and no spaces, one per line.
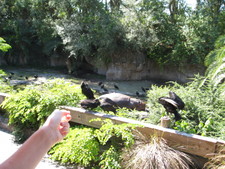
{"x":118,"y":100}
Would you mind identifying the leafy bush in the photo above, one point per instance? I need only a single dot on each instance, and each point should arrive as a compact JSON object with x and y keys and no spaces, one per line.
{"x":29,"y":108}
{"x":80,"y":147}
{"x":94,"y":147}
{"x":204,"y":111}
{"x":109,"y":130}
{"x":215,"y":61}
{"x":110,"y":159}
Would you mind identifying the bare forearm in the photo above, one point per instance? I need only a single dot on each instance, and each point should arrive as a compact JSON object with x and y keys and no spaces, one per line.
{"x":31,"y":152}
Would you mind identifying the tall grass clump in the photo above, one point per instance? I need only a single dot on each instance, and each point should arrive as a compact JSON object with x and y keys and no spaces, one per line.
{"x":29,"y":108}
{"x":154,"y":153}
{"x":216,"y":162}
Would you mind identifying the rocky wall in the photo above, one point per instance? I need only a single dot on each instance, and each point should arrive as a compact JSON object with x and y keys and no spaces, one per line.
{"x":135,"y":66}
{"x":129,"y":71}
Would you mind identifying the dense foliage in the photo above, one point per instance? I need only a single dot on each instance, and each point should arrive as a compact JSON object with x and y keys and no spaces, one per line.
{"x":204,"y":107}
{"x":215,"y":61}
{"x":95,"y":147}
{"x":40,"y":29}
{"x":165,"y":31}
{"x":29,"y":108}
{"x":204,"y":97}
{"x":204,"y":114}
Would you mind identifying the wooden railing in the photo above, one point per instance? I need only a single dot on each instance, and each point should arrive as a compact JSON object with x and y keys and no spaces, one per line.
{"x":189,"y":143}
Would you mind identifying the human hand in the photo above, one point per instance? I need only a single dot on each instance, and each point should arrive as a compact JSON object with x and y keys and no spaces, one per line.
{"x":57,"y":125}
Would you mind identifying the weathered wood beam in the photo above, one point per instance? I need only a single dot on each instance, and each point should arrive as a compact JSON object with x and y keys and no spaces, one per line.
{"x":189,"y":143}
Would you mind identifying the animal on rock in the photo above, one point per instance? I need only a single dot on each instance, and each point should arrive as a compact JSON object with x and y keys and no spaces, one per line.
{"x":90,"y":104}
{"x":120,"y":100}
{"x":86,"y":90}
{"x":172,"y":104}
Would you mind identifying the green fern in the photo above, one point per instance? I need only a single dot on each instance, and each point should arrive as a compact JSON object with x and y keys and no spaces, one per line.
{"x":79,"y":147}
{"x":215,"y":61}
{"x":110,"y":159}
{"x":98,"y":148}
{"x":109,"y":130}
{"x":220,"y":42}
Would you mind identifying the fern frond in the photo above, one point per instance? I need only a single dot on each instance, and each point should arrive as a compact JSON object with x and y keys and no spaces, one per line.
{"x":220,"y":42}
{"x":215,"y":61}
{"x":221,"y":54}
{"x":222,"y":89}
{"x":210,"y":58}
{"x":220,"y":76}
{"x":216,"y":72}
{"x":215,"y":55}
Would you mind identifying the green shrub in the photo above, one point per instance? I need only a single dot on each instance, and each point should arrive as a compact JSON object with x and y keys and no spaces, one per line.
{"x":94,"y":147}
{"x":204,"y":110}
{"x":29,"y":108}
{"x":80,"y":147}
{"x":110,"y":159}
{"x":156,"y":110}
{"x":109,"y":130}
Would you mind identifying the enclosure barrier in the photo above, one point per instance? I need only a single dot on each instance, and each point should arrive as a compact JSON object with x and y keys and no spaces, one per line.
{"x":189,"y":143}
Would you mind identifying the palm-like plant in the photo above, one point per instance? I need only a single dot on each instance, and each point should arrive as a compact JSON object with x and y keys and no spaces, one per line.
{"x":215,"y":61}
